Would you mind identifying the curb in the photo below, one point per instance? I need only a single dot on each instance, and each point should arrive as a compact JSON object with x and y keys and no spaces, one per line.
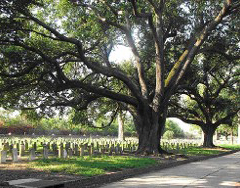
{"x":97,"y":181}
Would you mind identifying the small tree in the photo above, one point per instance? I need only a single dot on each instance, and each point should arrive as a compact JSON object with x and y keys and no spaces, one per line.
{"x":174,"y":128}
{"x":227,"y":130}
{"x":168,"y":135}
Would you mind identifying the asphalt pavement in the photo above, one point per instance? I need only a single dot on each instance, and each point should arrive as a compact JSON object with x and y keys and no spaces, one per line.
{"x":216,"y":172}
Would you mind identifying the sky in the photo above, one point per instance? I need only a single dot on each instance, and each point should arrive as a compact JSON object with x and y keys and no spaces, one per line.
{"x":121,"y":53}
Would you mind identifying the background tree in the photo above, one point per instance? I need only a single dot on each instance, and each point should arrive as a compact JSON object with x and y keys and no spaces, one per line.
{"x":212,"y":97}
{"x":172,"y":130}
{"x":101,"y":122}
{"x":32,"y":116}
{"x":56,"y":54}
{"x":226,"y":131}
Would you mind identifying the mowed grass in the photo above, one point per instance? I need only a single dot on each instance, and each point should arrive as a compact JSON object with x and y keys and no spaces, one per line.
{"x":91,"y":166}
{"x":231,"y":147}
{"x":198,"y":151}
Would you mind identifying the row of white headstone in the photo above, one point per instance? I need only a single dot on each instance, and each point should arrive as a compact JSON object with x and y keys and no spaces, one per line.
{"x":14,"y":155}
{"x":32,"y":155}
{"x":3,"y":155}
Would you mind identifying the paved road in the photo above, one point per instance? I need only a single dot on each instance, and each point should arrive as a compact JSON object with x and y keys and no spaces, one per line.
{"x":217,"y":172}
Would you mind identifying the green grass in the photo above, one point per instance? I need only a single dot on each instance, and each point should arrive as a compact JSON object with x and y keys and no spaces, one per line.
{"x":197,"y":151}
{"x":90,"y":166}
{"x":231,"y":147}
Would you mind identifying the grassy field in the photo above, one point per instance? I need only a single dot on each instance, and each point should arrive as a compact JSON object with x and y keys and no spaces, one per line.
{"x":231,"y":147}
{"x":197,"y":151}
{"x":91,"y":166}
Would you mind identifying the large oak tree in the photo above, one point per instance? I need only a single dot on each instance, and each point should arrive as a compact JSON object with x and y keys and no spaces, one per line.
{"x":212,"y":94}
{"x":56,"y":53}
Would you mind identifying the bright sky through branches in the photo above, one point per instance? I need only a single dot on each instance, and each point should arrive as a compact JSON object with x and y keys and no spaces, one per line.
{"x":121,"y":53}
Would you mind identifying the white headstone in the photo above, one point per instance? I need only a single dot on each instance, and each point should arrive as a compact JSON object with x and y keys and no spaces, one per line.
{"x":3,"y":156}
{"x":14,"y":155}
{"x":64,"y":154}
{"x":32,"y":155}
{"x":45,"y":153}
{"x":70,"y":152}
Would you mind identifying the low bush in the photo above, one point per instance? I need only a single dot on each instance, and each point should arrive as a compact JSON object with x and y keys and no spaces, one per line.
{"x":17,"y":129}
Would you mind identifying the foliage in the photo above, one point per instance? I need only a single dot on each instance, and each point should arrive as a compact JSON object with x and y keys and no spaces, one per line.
{"x":226,"y":130}
{"x":31,"y":115}
{"x":209,"y":97}
{"x":174,"y":131}
{"x":213,"y":94}
{"x":168,"y":135}
{"x":195,"y":128}
{"x":13,"y":124}
{"x":101,"y":119}
{"x":20,"y":124}
{"x":16,"y":129}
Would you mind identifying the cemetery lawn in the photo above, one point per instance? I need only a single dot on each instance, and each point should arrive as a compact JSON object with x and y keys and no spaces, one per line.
{"x":231,"y":147}
{"x":90,"y":166}
{"x":98,"y":165}
{"x":200,"y":151}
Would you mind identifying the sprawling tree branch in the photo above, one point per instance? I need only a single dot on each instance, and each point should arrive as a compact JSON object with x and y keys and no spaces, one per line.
{"x":226,"y":119}
{"x":187,"y":57}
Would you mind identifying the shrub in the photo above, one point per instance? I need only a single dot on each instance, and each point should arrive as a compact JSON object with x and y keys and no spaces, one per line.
{"x":168,"y":135}
{"x":16,"y":129}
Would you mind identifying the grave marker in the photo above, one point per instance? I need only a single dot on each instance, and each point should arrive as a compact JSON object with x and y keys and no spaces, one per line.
{"x":3,"y":156}
{"x":45,"y":152}
{"x":64,"y":154}
{"x":70,"y":153}
{"x":81,"y":150}
{"x":21,"y":149}
{"x":14,"y":155}
{"x":32,"y":155}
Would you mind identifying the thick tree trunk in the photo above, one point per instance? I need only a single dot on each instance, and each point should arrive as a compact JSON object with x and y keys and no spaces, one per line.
{"x":150,"y":129}
{"x":208,"y":131}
